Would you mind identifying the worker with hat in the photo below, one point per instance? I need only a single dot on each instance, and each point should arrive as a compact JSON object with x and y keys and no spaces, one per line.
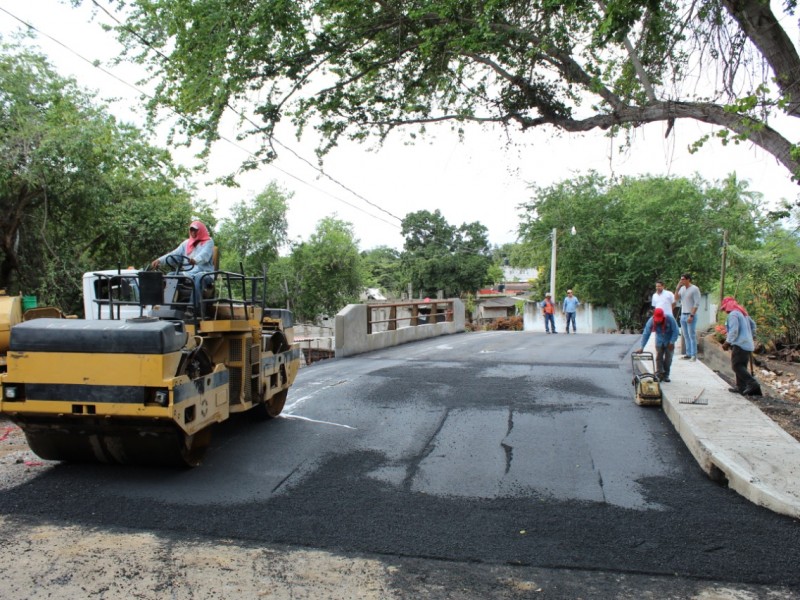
{"x":665,"y":327}
{"x":549,"y":311}
{"x":739,"y":331}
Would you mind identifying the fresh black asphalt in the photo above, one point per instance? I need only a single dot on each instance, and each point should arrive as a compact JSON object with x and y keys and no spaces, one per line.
{"x":499,"y":448}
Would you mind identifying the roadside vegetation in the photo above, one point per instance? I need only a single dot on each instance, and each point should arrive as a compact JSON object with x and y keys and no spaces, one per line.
{"x":82,"y":191}
{"x":632,"y":231}
{"x":78,"y":189}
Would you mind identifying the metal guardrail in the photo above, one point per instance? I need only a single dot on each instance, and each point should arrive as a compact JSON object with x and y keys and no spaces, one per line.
{"x":234,"y":292}
{"x":416,"y":312}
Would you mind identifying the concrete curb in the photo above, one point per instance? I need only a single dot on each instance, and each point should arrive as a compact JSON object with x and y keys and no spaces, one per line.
{"x":731,"y":439}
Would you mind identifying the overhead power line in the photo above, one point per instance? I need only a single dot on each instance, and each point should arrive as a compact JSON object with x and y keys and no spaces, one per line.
{"x":95,"y":64}
{"x":224,"y":138}
{"x":247,"y":118}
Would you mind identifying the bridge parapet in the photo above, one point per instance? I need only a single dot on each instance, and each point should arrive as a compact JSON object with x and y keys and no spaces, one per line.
{"x":366,"y":327}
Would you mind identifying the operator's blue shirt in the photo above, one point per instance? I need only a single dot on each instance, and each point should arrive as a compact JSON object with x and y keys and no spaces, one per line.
{"x":664,"y":335}
{"x":570,"y":304}
{"x":740,"y":330}
{"x":202,"y":254}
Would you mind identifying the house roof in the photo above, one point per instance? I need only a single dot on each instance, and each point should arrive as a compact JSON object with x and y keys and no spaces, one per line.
{"x":501,"y":302}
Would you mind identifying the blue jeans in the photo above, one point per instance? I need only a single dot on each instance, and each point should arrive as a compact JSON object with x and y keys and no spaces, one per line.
{"x":689,"y":332}
{"x":549,"y":322}
{"x":571,"y":317}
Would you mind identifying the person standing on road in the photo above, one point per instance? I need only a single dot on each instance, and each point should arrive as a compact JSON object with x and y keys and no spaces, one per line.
{"x":663,"y":299}
{"x":739,"y":340}
{"x":549,"y":311}
{"x":569,"y":307}
{"x":689,"y":296}
{"x":664,"y":325}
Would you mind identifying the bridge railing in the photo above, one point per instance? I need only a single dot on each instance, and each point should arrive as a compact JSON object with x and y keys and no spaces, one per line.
{"x":368,"y":327}
{"x":395,"y":315}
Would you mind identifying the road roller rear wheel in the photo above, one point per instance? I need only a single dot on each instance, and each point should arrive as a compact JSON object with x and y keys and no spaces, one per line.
{"x":271,"y":408}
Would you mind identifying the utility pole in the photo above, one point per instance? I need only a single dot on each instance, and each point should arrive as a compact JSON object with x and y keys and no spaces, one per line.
{"x":553,"y":267}
{"x":724,"y":261}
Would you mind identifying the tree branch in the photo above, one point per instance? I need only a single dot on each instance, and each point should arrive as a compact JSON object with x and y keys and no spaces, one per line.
{"x":758,"y":22}
{"x":644,"y":78}
{"x":756,"y":132}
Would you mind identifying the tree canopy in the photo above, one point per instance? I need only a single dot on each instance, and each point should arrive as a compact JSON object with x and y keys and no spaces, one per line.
{"x":383,"y":269}
{"x":439,"y":256}
{"x":361,"y":69}
{"x":78,"y":190}
{"x":632,"y":232}
{"x":255,"y":231}
{"x":321,"y":276}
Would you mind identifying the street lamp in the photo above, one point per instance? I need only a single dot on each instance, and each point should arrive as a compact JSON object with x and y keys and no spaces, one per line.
{"x":553,"y":253}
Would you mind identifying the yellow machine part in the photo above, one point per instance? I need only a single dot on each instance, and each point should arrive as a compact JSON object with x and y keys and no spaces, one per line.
{"x":10,"y":315}
{"x":104,"y":407}
{"x":99,"y":399}
{"x":648,"y":393}
{"x":261,"y":360}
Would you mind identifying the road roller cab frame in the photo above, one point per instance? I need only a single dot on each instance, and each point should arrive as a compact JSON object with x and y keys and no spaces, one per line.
{"x":158,"y":361}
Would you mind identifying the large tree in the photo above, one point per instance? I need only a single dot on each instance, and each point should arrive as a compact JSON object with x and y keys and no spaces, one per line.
{"x":357,"y":69}
{"x":322,"y":275}
{"x":254,"y":233}
{"x":439,"y":256}
{"x":382,"y":266}
{"x":78,"y":190}
{"x":632,"y":232}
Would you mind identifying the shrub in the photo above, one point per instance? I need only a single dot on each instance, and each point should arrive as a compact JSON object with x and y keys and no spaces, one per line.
{"x":506,"y":324}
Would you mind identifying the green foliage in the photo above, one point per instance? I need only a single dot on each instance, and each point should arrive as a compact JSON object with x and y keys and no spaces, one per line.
{"x":439,"y":256}
{"x":382,"y":266}
{"x":78,"y":190}
{"x":283,"y":284}
{"x":254,"y":233}
{"x":494,"y":274}
{"x":356,"y":70}
{"x":632,"y":232}
{"x":322,"y":275}
{"x":766,"y":281}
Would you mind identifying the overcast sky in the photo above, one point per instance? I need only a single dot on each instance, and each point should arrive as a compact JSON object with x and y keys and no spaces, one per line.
{"x":481,"y":178}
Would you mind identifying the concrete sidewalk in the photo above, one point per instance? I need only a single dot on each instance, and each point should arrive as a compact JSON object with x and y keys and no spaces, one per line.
{"x":731,"y":438}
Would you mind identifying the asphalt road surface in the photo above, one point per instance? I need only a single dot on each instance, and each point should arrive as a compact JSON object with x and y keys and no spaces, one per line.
{"x":477,"y":451}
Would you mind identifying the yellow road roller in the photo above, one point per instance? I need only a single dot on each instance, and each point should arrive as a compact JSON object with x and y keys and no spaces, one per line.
{"x":158,"y":359}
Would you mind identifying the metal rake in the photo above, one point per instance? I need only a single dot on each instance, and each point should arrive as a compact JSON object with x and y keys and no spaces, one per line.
{"x":696,"y":400}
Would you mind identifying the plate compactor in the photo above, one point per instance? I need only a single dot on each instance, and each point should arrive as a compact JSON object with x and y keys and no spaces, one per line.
{"x":646,"y":387}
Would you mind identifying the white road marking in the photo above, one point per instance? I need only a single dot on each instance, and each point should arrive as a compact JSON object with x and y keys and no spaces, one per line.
{"x":290,"y":416}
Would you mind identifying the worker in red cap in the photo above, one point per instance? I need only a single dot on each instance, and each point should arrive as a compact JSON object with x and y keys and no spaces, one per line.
{"x":740,"y":329}
{"x":666,"y":329}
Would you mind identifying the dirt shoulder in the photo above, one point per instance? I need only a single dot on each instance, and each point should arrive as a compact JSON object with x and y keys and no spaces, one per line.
{"x":779,"y":379}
